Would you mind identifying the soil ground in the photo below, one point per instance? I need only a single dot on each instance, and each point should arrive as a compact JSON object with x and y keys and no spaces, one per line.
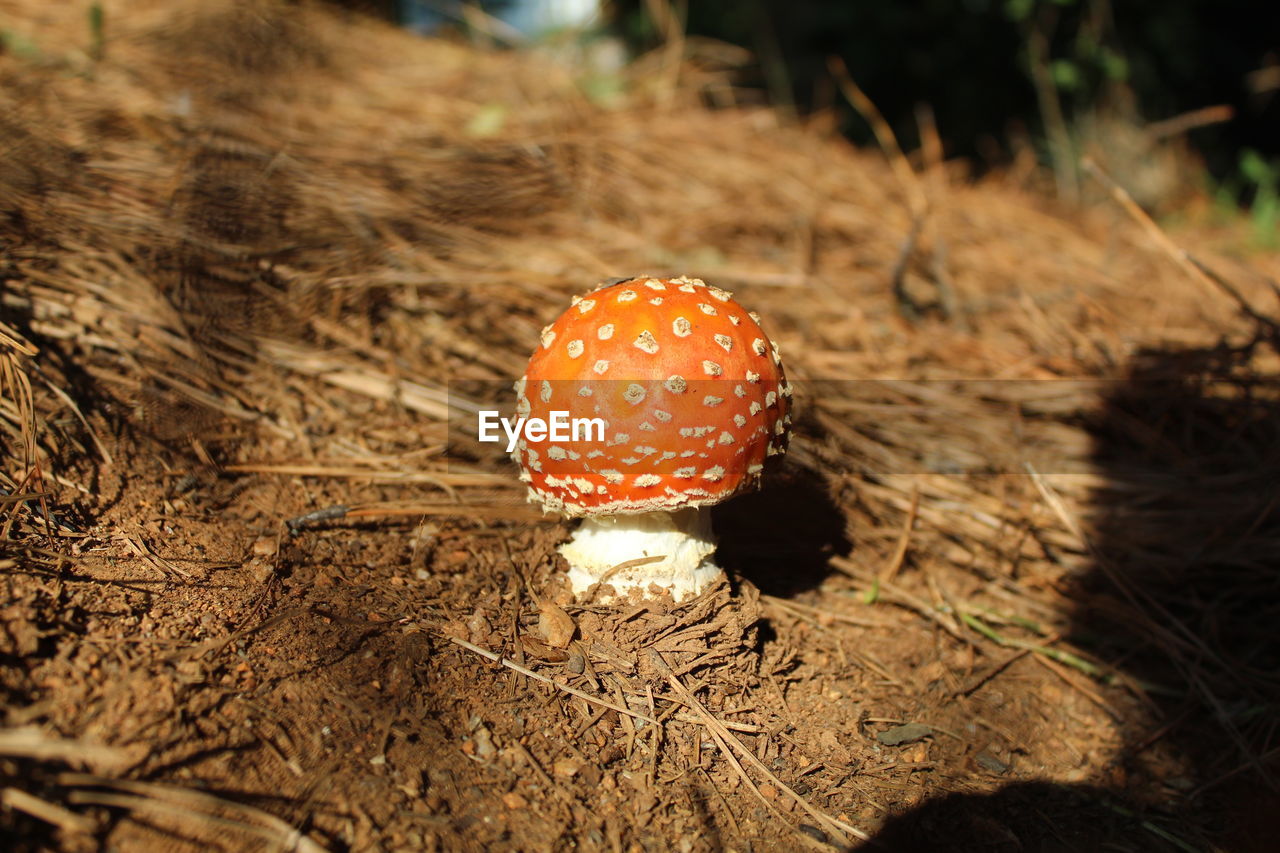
{"x":233,"y":304}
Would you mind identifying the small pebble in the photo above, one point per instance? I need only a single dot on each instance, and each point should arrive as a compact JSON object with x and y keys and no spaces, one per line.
{"x":566,"y":768}
{"x":898,"y":735}
{"x":484,"y":743}
{"x":990,"y":763}
{"x":814,"y":833}
{"x":265,"y":547}
{"x":556,"y":626}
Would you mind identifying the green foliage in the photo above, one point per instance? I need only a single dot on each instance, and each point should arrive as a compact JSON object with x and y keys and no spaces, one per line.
{"x":20,"y":46}
{"x":1254,"y":187}
{"x":1082,"y":60}
{"x":604,"y":88}
{"x":97,"y":31}
{"x":1262,"y":179}
{"x":487,"y":121}
{"x":1066,"y":75}
{"x":1019,"y":10}
{"x":1115,"y":66}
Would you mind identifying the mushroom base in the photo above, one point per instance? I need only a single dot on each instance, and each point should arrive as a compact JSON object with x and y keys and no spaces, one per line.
{"x":605,"y":548}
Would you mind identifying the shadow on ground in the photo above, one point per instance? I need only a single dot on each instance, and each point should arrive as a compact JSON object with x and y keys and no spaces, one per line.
{"x":782,"y":537}
{"x":1183,"y":597}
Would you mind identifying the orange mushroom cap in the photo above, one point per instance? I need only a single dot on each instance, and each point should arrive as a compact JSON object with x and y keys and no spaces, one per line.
{"x":690,"y":389}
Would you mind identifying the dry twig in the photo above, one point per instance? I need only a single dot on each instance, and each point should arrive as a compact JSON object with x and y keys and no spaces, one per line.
{"x":838,"y":829}
{"x":564,"y":688}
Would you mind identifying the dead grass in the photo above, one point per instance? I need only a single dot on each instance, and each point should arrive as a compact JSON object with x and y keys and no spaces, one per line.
{"x":257,"y":249}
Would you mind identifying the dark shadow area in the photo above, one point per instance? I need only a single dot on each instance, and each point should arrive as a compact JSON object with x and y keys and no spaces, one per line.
{"x":1032,"y":817}
{"x":969,"y":63}
{"x":1184,"y":593}
{"x":19,"y":831}
{"x":782,"y":537}
{"x":1183,"y":597}
{"x":1042,"y":817}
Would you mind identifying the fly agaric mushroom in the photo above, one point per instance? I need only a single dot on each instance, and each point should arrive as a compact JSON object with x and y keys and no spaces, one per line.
{"x":692,"y":398}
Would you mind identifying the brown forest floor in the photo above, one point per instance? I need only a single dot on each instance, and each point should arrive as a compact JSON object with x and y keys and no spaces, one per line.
{"x":255,"y":260}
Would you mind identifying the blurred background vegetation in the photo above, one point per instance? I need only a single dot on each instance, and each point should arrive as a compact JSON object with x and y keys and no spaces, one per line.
{"x":1176,"y":97}
{"x":1066,"y":77}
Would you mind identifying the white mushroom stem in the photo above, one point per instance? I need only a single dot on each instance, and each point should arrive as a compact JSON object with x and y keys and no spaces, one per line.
{"x":669,"y":550}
